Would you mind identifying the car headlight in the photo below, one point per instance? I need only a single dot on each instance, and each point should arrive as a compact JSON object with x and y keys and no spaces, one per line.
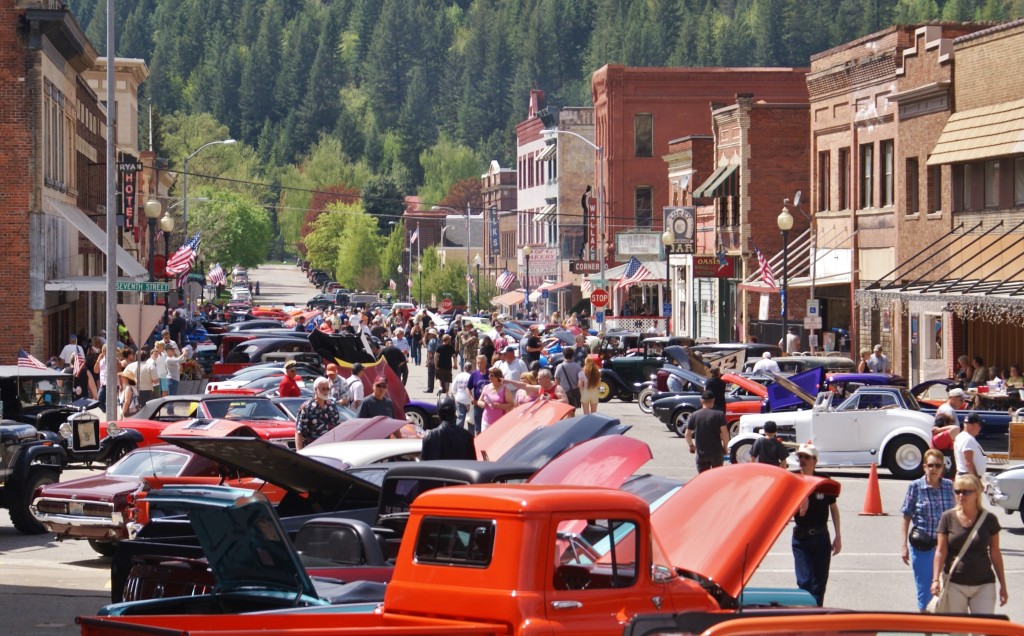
{"x":113,"y":429}
{"x":65,"y":430}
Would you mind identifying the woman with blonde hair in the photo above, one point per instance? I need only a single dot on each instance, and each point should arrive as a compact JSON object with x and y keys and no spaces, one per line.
{"x":588,"y":381}
{"x":524,"y":395}
{"x":969,"y":574}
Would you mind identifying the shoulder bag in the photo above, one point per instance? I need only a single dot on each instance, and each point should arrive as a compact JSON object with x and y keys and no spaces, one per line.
{"x":940,"y":604}
{"x":573,"y":394}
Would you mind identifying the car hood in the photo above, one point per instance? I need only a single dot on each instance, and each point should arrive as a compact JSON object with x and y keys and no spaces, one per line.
{"x":92,"y":488}
{"x":541,"y":445}
{"x":241,"y":537}
{"x":326,"y":487}
{"x":796,"y":389}
{"x":516,"y":424}
{"x":743,"y":509}
{"x":604,"y":461}
{"x":379,"y":427}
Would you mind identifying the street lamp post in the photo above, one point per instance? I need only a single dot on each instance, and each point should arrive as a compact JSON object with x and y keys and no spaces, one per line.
{"x":666,"y":240}
{"x":419,"y":270}
{"x":785,"y":222}
{"x":153,"y":210}
{"x":184,"y":192}
{"x":399,"y":290}
{"x":167,"y":225}
{"x":477,"y":259}
{"x":526,"y":255}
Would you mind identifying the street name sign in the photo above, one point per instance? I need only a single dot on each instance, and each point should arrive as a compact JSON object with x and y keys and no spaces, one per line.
{"x":146,"y":287}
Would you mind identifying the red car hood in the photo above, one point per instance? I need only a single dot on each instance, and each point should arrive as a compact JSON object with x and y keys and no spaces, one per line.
{"x":380,"y":427}
{"x":92,"y":488}
{"x":602,"y":461}
{"x":742,"y":510}
{"x":516,"y":424}
{"x":231,"y":428}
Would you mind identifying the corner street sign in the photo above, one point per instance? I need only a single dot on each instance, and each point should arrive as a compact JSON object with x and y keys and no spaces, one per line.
{"x":146,"y":287}
{"x":599,"y":298}
{"x":584,"y":267}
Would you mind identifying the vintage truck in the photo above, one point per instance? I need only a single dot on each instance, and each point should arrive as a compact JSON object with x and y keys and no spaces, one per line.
{"x":497,"y":559}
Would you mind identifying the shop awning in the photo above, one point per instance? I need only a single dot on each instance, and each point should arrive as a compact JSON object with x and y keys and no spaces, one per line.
{"x":545,"y":212}
{"x":509,"y":299}
{"x":547,"y":153}
{"x":98,"y":237}
{"x":552,"y":287}
{"x":981,"y":133}
{"x":832,"y":266}
{"x":716,"y":184}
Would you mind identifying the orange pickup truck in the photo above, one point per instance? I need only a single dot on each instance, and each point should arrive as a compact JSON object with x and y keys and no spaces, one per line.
{"x":503,"y":559}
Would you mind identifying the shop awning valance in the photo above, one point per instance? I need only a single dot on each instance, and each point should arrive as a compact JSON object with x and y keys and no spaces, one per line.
{"x":981,"y":133}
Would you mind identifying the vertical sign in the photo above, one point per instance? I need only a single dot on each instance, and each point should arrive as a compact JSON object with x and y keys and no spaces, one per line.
{"x":127,"y":180}
{"x":592,"y":237}
{"x":495,"y":235}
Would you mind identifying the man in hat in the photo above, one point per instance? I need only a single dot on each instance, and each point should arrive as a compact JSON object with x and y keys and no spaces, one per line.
{"x":970,"y":458}
{"x":70,"y":350}
{"x":511,"y":366}
{"x":957,"y":400}
{"x":878,"y":362}
{"x":790,"y":343}
{"x":339,"y":387}
{"x":812,"y":546}
{"x":378,"y":403}
{"x":707,"y":434}
{"x":289,"y":386}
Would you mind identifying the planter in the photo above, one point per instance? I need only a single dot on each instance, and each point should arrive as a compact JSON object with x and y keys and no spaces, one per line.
{"x":191,"y":387}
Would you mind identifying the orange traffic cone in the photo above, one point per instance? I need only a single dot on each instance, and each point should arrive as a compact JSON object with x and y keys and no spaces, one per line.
{"x":873,"y":496}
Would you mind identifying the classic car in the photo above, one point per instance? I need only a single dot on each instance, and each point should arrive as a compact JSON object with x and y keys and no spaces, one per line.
{"x":801,"y":363}
{"x":379,"y":427}
{"x":100,"y":507}
{"x":683,"y":372}
{"x":366,"y":451}
{"x":254,"y":350}
{"x":742,"y":395}
{"x":28,"y":460}
{"x":44,"y":399}
{"x":623,"y":376}
{"x":1006,"y":490}
{"x":930,"y":394}
{"x":512,"y":427}
{"x":875,"y":425}
{"x":291,"y":406}
{"x":731,"y":356}
{"x":257,"y":372}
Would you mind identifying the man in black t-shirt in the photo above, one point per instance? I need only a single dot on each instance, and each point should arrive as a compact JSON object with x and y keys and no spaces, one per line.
{"x":379,"y":403}
{"x":716,"y":385}
{"x":769,"y":449}
{"x":533,"y":345}
{"x":812,"y":547}
{"x":443,"y":360}
{"x":707,"y":434}
{"x":397,"y":361}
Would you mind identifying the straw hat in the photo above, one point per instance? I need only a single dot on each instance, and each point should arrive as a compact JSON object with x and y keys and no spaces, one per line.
{"x":127,"y":375}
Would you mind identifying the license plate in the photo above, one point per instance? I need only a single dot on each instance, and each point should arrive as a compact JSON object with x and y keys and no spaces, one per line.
{"x":76,"y":508}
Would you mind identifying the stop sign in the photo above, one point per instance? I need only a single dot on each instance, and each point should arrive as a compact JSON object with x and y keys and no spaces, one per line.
{"x":446,"y":305}
{"x":599,"y":298}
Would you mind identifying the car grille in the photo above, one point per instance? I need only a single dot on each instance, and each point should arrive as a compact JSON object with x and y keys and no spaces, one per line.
{"x":786,"y":433}
{"x":75,"y":508}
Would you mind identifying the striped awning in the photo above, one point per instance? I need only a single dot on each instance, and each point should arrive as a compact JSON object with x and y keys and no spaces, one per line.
{"x":509,"y":299}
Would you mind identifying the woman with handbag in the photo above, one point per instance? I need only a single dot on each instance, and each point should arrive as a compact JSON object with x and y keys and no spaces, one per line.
{"x":970,"y":533}
{"x":926,"y":499}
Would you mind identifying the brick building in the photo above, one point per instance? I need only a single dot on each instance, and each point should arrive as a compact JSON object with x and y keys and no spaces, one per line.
{"x":54,"y":130}
{"x":499,"y":189}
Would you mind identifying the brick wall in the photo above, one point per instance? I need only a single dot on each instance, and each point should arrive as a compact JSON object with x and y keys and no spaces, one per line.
{"x":978,"y":60}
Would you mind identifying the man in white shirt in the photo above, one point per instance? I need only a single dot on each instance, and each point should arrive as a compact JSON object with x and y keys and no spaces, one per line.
{"x":970,"y":458}
{"x":145,"y":377}
{"x":878,"y":362}
{"x":511,"y":366}
{"x":355,"y":387}
{"x":67,"y":354}
{"x":462,"y":395}
{"x":957,"y":400}
{"x":766,"y":364}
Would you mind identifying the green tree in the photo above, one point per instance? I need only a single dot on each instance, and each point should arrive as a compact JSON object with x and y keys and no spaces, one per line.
{"x":389,"y":60}
{"x":383,"y":201}
{"x":358,"y":253}
{"x":322,"y":242}
{"x":236,"y":229}
{"x":391,"y":254}
{"x":444,"y":164}
{"x":256,"y":101}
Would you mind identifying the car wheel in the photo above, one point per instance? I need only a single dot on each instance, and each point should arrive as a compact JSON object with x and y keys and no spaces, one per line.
{"x":418,"y":417}
{"x":604,"y":391}
{"x":119,"y":452}
{"x":646,"y":400}
{"x":734,"y":429}
{"x":680,"y":421}
{"x":906,"y":457}
{"x":740,"y":453}
{"x":21,"y":497}
{"x":103,"y":548}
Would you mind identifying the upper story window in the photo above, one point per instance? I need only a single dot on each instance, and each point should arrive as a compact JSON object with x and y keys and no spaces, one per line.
{"x":888,"y":182}
{"x":824,"y":180}
{"x":56,"y":141}
{"x":1018,"y":181}
{"x":867,"y":176}
{"x":934,"y":189}
{"x":643,"y":135}
{"x":643,"y":206}
{"x":913,"y":186}
{"x":843,"y":174}
{"x":991,"y":184}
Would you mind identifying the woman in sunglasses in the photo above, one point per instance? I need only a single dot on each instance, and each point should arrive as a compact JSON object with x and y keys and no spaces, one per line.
{"x":972,"y":583}
{"x":927,"y":498}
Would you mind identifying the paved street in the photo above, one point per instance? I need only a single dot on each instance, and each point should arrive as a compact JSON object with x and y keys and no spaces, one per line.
{"x":44,"y":584}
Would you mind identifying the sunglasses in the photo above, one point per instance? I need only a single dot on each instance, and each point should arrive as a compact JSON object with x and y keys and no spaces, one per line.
{"x":962,"y":492}
{"x":380,"y":386}
{"x":934,"y":465}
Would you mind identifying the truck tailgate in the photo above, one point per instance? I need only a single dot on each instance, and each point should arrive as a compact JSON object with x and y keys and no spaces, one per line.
{"x":286,"y":624}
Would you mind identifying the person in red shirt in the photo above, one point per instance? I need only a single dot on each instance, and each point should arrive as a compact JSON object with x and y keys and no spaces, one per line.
{"x":289,"y":387}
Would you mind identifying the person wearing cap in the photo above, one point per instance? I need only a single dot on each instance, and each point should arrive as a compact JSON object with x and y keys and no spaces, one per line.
{"x":878,"y":362}
{"x":339,"y":388}
{"x":512,"y":368}
{"x":707,"y":434}
{"x":378,"y":403}
{"x":957,"y":400}
{"x":769,"y":449}
{"x":70,"y":350}
{"x":766,"y":364}
{"x":970,"y":458}
{"x":432,"y":344}
{"x":812,"y":546}
{"x":289,"y":387}
{"x":317,"y":415}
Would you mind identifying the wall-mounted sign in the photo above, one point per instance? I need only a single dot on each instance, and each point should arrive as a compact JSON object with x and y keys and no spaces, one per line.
{"x":639,"y":244}
{"x":682,"y":222}
{"x":711,"y":267}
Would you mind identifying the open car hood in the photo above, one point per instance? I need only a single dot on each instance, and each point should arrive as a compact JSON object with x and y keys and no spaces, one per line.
{"x":743,"y":509}
{"x":345,"y":350}
{"x":795,"y":390}
{"x":517,"y":424}
{"x":603,"y":461}
{"x":327,"y":487}
{"x":380,"y":427}
{"x":241,"y":537}
{"x":541,"y":445}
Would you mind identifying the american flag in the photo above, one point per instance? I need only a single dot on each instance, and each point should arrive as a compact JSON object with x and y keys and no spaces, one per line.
{"x":217,"y":275}
{"x":181,"y":261}
{"x":79,"y":364}
{"x":415,"y":235}
{"x":28,"y":361}
{"x":505,"y":280}
{"x":471,"y":282}
{"x":586,"y":286}
{"x":635,"y":272}
{"x":767,"y":276}
{"x":392,"y":284}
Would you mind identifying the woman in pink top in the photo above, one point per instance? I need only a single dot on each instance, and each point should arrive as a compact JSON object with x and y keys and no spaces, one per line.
{"x":522,"y":395}
{"x":495,"y":399}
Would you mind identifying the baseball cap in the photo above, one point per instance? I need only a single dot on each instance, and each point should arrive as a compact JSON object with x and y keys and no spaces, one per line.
{"x":878,"y":347}
{"x":957,"y":392}
{"x":290,"y":364}
{"x":509,"y":349}
{"x":973,"y":418}
{"x":808,"y":449}
{"x":707,"y":395}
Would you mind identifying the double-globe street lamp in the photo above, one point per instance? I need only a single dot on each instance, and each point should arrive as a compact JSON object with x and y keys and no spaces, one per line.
{"x":184,"y":192}
{"x":785,"y":223}
{"x":667,"y":238}
{"x":478,"y":262}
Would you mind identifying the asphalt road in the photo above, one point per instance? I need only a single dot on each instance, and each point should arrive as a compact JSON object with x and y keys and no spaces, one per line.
{"x":45,"y":584}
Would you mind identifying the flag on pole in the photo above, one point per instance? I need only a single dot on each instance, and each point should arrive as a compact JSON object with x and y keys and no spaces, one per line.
{"x":392,"y":284}
{"x":415,"y":235}
{"x":635,"y":272}
{"x":217,"y":275}
{"x":767,"y":275}
{"x":78,"y":365}
{"x":182,"y":260}
{"x":28,"y":361}
{"x":505,"y":280}
{"x":587,"y":287}
{"x":471,"y":282}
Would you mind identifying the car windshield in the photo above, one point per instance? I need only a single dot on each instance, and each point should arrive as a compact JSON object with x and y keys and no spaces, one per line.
{"x":45,"y":391}
{"x":159,"y":463}
{"x":236,"y":409}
